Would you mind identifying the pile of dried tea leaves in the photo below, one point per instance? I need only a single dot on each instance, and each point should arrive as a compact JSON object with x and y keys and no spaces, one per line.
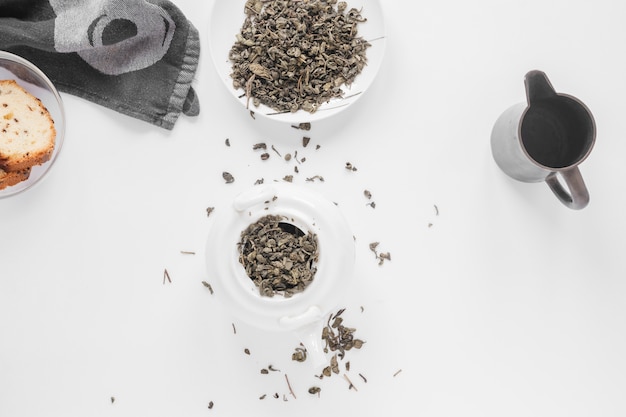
{"x":339,"y":337}
{"x":292,"y":55}
{"x":277,"y":256}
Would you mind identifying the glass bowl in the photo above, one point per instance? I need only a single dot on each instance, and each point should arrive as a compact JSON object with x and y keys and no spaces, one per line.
{"x":226,"y":20}
{"x":33,"y":80}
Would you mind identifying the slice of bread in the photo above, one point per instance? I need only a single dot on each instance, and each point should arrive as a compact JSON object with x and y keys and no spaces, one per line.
{"x":7,"y":179}
{"x":27,"y":132}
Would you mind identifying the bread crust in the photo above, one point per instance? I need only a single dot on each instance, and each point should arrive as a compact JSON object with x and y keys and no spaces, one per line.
{"x":27,"y":132}
{"x":8,"y":179}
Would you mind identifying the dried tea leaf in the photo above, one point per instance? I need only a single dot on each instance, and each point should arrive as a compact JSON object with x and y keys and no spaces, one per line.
{"x":299,"y":355}
{"x":206,"y":284}
{"x":302,"y":126}
{"x":373,"y":247}
{"x":228,"y":177}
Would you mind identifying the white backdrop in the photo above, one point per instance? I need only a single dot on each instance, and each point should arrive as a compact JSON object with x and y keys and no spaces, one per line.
{"x":497,"y":301}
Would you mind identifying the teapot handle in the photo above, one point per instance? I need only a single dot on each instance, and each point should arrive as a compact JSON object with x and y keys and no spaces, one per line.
{"x":578,"y":196}
{"x":252,"y":197}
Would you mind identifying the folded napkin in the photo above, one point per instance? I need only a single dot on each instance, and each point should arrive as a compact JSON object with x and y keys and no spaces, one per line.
{"x":137,"y":57}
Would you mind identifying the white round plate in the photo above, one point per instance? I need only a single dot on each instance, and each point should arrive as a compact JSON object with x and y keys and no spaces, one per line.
{"x":33,"y":80}
{"x":228,"y":16}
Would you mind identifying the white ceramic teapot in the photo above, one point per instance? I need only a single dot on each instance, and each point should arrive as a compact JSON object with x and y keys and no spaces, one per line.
{"x":305,"y":312}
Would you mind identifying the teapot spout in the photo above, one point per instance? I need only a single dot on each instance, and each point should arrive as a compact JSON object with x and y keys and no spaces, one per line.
{"x":538,"y":87}
{"x":308,"y":328}
{"x":310,"y":337}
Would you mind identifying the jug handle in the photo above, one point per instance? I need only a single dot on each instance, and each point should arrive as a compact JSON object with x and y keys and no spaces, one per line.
{"x":578,"y":196}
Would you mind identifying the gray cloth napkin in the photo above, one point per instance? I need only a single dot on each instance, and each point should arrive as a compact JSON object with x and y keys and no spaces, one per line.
{"x":137,"y":57}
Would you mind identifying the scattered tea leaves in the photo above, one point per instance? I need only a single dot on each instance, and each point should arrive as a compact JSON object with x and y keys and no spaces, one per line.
{"x":315,"y":390}
{"x":302,"y":126}
{"x":289,"y":386}
{"x":338,"y":338}
{"x":300,"y":354}
{"x":209,"y":210}
{"x":383,"y":256}
{"x":373,"y":247}
{"x":207,"y":285}
{"x":334,"y":364}
{"x":397,"y":373}
{"x":351,"y":385}
{"x":166,"y":276}
{"x":228,"y":177}
{"x":211,"y":405}
{"x":227,"y":142}
{"x":305,"y":141}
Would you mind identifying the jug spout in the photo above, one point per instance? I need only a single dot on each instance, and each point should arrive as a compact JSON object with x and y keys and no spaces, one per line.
{"x":538,"y":87}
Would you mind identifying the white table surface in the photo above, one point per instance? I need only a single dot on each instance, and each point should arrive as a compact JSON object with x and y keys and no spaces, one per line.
{"x":498,"y":300}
